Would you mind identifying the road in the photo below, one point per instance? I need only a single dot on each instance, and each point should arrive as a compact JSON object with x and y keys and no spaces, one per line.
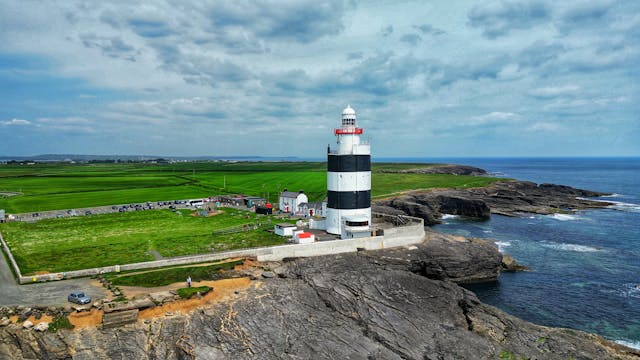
{"x":43,"y":294}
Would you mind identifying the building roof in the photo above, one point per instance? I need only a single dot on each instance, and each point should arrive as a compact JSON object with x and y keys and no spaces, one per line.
{"x":312,"y":205}
{"x":348,"y":111}
{"x":284,"y":225}
{"x":289,"y":194}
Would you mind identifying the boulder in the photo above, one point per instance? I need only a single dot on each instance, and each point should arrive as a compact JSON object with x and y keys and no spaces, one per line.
{"x":27,"y":324}
{"x":5,"y":321}
{"x":268,"y":274}
{"x":42,"y":326}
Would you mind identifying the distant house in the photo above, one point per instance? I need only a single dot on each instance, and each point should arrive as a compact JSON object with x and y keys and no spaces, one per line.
{"x":314,"y":208}
{"x":290,"y":201}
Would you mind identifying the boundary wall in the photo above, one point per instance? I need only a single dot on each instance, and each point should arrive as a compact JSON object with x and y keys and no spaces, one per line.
{"x":411,"y":232}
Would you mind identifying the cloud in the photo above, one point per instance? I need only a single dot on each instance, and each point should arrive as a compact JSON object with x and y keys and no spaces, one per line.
{"x":113,"y":47}
{"x":150,"y":28}
{"x":196,"y":70}
{"x":411,"y":39}
{"x":17,"y":122}
{"x":493,"y":118}
{"x":555,"y":91}
{"x":292,"y":20}
{"x":544,"y":127}
{"x":584,"y":14}
{"x":497,"y":19}
{"x":427,"y":29}
{"x":386,"y":31}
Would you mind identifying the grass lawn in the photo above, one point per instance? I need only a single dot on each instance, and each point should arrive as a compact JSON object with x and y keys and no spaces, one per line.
{"x":186,"y":293}
{"x":66,"y":244}
{"x":67,"y":186}
{"x":162,"y":277}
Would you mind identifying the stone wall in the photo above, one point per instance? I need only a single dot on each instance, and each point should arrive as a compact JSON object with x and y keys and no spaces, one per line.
{"x":7,"y":251}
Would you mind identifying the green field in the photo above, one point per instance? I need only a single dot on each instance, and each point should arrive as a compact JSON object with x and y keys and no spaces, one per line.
{"x":66,"y":244}
{"x":67,"y":186}
{"x":120,"y":238}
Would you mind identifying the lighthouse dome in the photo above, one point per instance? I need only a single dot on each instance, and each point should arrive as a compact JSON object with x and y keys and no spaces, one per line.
{"x":348,"y":111}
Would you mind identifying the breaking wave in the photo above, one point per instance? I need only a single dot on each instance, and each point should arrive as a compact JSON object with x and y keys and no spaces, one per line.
{"x":622,"y":206}
{"x":617,"y":205}
{"x":628,"y":343}
{"x":564,"y":217}
{"x":502,"y":245}
{"x":449,"y":216}
{"x":570,"y":247}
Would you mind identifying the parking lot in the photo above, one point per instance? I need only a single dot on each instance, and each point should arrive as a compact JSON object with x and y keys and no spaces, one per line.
{"x":169,"y":204}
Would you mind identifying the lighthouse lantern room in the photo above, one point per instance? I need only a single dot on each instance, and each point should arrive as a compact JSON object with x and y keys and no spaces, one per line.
{"x":349,"y":181}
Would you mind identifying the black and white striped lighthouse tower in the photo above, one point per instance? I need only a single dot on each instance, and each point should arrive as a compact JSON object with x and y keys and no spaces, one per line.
{"x":349,"y":181}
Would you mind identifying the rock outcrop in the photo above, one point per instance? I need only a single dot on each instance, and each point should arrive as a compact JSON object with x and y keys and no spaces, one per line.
{"x":385,"y":304}
{"x":450,"y":169}
{"x":508,"y":197}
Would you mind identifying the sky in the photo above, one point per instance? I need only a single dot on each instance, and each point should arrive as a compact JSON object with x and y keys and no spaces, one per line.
{"x":270,"y":78}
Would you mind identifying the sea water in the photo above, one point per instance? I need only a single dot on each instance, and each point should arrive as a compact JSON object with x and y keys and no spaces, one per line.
{"x":585,"y":266}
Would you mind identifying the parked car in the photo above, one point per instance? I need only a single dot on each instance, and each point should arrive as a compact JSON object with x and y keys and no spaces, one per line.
{"x":78,"y":297}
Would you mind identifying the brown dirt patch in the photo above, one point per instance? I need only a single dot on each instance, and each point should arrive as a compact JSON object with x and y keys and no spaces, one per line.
{"x":85,"y":319}
{"x":222,"y":290}
{"x":247,"y":264}
{"x":43,"y":318}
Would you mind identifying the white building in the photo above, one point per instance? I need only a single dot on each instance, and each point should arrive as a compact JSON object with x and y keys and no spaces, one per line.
{"x":290,"y":201}
{"x":314,"y":208}
{"x":284,"y":229}
{"x":304,"y":238}
{"x":349,"y":181}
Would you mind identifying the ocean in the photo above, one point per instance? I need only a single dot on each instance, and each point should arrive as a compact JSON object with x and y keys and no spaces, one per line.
{"x":585,"y":266}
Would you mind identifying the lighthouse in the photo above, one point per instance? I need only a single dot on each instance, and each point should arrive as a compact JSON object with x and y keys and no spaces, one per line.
{"x":349,"y":181}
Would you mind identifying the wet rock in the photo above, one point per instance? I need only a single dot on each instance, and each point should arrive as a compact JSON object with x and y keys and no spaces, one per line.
{"x":26,"y":312}
{"x":511,"y":265}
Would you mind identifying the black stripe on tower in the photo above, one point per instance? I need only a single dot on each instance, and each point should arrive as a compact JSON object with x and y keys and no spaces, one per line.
{"x":349,"y":199}
{"x":348,"y":163}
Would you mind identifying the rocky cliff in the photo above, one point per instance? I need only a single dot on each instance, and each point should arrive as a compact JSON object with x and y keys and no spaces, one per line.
{"x":509,"y":197}
{"x":387,"y":304}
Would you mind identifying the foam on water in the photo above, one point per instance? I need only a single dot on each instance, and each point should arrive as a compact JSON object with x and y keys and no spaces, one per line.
{"x":631,"y":344}
{"x":502,"y":245}
{"x":569,"y":247}
{"x":564,"y":217}
{"x":449,"y":216}
{"x":622,"y":206}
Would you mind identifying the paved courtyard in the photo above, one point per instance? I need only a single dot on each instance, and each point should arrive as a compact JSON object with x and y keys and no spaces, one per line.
{"x":43,"y":294}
